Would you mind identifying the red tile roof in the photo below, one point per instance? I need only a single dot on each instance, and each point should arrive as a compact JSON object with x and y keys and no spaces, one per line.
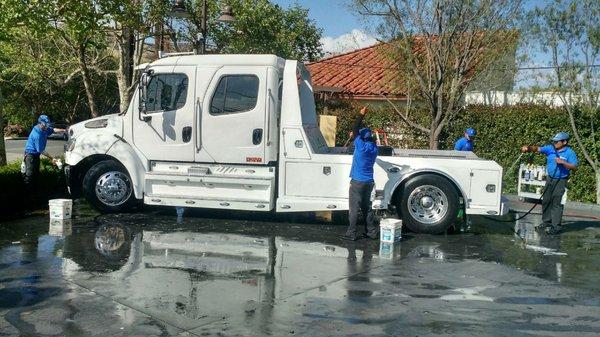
{"x":363,"y":73}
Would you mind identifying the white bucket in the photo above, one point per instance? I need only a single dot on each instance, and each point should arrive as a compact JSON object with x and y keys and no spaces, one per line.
{"x":390,"y":230}
{"x":60,"y":208}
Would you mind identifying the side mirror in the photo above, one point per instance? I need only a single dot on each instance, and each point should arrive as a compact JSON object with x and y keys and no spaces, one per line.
{"x":143,"y":95}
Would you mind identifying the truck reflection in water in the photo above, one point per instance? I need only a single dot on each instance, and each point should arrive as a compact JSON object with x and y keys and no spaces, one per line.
{"x":214,"y":268}
{"x":207,"y":275}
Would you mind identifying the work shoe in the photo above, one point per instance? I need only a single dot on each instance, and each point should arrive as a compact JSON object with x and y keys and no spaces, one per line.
{"x":553,"y":230}
{"x":349,"y":237}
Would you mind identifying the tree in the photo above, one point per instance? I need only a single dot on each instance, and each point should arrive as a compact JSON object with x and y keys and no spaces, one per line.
{"x":81,"y":25}
{"x":13,"y":14}
{"x":440,"y":49}
{"x":131,"y":24}
{"x":261,"y":27}
{"x":569,"y":31}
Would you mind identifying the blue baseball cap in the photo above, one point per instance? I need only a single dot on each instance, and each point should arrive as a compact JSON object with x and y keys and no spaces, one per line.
{"x":43,"y":119}
{"x":560,"y":136}
{"x":471,"y":132}
{"x":365,"y":133}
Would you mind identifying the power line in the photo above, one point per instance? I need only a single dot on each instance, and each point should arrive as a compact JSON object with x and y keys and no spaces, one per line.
{"x":395,"y":68}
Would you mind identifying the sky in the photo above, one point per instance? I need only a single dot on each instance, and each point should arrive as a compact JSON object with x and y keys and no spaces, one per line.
{"x":344,"y":30}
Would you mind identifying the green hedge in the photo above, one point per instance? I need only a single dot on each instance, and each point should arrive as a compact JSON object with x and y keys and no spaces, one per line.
{"x":13,"y":198}
{"x":501,"y":133}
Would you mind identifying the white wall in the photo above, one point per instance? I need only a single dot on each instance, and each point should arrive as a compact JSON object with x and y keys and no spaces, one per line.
{"x":498,"y":98}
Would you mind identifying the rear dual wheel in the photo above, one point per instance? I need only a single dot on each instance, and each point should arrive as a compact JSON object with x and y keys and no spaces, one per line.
{"x":429,"y":204}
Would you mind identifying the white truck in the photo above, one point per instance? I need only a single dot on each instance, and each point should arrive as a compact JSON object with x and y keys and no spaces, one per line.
{"x":240,"y":132}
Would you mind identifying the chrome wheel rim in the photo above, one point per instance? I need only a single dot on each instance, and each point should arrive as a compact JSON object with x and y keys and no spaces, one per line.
{"x":113,"y":188}
{"x":428,"y":204}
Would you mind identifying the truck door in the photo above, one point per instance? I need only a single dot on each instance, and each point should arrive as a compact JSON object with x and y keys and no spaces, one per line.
{"x":167,"y":133}
{"x":233,"y":116}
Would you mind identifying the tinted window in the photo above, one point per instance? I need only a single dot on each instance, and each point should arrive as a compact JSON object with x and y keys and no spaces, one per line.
{"x":167,"y":92}
{"x":235,"y":93}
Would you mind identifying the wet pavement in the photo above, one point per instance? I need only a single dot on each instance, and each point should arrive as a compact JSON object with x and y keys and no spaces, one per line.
{"x":242,"y":274}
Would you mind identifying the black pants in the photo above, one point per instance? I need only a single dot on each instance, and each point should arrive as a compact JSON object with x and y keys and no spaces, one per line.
{"x":360,"y":200}
{"x":552,"y":208}
{"x":32,"y":172}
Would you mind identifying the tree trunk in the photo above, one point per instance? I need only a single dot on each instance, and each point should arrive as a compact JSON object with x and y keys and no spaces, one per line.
{"x":433,"y":141}
{"x":2,"y":145}
{"x":87,"y":82}
{"x":125,"y":73}
{"x":433,"y":136}
{"x":598,"y":187}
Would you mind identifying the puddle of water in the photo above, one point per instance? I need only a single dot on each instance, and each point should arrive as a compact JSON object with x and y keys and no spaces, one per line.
{"x":197,"y":270}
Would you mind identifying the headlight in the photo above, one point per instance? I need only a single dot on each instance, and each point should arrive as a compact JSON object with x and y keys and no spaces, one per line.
{"x":70,"y":145}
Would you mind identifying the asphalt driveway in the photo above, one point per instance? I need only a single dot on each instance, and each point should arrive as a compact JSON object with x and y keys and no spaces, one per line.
{"x":242,"y":274}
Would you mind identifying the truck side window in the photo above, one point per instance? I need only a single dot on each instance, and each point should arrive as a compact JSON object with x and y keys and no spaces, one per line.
{"x":235,"y":93}
{"x":166,"y":92}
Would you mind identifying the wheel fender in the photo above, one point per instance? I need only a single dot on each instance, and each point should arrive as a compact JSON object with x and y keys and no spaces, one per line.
{"x":126,"y":155}
{"x":393,"y":184}
{"x":88,"y":144}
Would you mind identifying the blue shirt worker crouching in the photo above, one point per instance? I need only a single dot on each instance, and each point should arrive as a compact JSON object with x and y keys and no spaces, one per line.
{"x":560,"y":161}
{"x":466,"y":142}
{"x":34,"y":148}
{"x":362,"y":182}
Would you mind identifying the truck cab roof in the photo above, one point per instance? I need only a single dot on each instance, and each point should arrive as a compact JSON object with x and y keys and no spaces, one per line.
{"x":222,"y":60}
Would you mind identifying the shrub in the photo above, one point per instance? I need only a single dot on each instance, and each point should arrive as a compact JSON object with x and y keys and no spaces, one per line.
{"x":13,"y":198}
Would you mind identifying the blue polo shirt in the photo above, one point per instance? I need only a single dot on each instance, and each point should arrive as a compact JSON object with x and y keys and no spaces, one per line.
{"x":553,"y":169}
{"x":36,"y":142}
{"x":463,"y":144}
{"x":363,"y":160}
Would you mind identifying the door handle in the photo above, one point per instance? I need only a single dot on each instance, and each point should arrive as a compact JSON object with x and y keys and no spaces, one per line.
{"x":186,"y":134}
{"x":257,"y":136}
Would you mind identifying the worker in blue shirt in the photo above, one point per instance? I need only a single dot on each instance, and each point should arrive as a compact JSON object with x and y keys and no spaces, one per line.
{"x":560,"y":161}
{"x":362,"y":182}
{"x":34,"y":148}
{"x":466,"y":142}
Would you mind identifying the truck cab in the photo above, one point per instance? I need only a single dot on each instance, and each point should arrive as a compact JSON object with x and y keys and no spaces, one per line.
{"x":240,"y":132}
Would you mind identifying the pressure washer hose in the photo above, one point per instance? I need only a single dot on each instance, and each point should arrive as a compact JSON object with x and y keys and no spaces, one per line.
{"x":537,"y":201}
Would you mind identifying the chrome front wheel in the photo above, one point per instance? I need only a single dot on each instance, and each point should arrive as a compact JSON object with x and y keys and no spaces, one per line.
{"x":113,"y":188}
{"x":108,"y":187}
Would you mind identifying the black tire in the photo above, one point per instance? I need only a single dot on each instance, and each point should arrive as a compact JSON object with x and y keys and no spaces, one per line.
{"x":433,"y":220}
{"x":125,"y":203}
